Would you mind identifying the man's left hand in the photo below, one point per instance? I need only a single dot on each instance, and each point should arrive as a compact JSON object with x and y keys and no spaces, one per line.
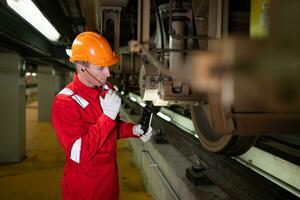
{"x":138,"y":131}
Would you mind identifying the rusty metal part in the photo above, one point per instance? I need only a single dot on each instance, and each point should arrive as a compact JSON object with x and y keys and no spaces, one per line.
{"x":266,"y":123}
{"x":107,"y":14}
{"x":216,"y":142}
{"x":148,"y":82}
{"x":110,"y":10}
{"x":90,"y":14}
{"x":258,"y":71}
{"x":144,"y":22}
{"x":161,"y":92}
{"x":118,"y":3}
{"x":190,"y":97}
{"x":176,"y":58}
{"x":135,"y":46}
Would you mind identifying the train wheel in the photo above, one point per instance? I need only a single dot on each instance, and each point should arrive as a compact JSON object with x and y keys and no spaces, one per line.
{"x":230,"y":145}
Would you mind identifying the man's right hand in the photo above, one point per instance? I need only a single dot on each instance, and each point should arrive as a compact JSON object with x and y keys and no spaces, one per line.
{"x":111,"y":104}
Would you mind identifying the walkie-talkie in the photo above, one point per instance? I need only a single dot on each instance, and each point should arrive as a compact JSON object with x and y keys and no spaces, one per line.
{"x":147,"y":117}
{"x":104,"y":86}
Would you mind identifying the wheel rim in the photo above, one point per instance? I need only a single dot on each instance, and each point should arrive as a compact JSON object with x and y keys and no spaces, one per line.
{"x":231,"y":145}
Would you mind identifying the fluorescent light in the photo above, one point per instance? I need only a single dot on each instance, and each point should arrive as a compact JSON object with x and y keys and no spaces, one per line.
{"x":142,"y":104}
{"x":69,"y":52}
{"x":33,"y":74}
{"x":116,"y":88}
{"x":28,"y":10}
{"x":132,"y":99}
{"x":164,"y":116}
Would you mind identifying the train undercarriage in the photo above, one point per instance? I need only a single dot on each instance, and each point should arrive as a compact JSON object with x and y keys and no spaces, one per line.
{"x":222,"y":62}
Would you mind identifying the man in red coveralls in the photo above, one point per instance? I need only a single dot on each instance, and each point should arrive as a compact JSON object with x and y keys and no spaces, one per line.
{"x":85,"y":118}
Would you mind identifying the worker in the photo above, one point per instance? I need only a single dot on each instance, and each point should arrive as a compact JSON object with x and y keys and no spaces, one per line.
{"x":85,"y":116}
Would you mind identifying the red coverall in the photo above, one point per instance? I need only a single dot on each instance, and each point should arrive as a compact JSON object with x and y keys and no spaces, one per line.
{"x":89,"y":140}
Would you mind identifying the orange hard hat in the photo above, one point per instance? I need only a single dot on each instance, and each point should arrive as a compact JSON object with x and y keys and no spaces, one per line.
{"x":93,"y":48}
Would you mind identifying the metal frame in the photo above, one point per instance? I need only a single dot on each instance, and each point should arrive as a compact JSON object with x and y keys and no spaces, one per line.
{"x":111,"y":13}
{"x":234,"y":179}
{"x":144,"y":22}
{"x":14,"y":27}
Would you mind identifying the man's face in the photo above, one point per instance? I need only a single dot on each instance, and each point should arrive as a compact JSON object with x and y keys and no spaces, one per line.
{"x":101,"y":73}
{"x":96,"y":72}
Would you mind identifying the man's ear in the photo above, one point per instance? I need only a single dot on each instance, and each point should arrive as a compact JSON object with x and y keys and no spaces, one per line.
{"x":80,"y":67}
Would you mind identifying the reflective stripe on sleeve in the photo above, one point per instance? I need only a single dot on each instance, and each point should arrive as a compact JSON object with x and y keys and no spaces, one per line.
{"x":75,"y":152}
{"x":66,"y":91}
{"x":81,"y":101}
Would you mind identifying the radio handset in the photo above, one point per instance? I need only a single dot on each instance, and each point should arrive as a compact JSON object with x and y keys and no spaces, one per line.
{"x":147,"y":117}
{"x":104,"y":86}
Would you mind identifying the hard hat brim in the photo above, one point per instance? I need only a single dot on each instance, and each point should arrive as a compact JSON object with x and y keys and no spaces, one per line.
{"x":113,"y":61}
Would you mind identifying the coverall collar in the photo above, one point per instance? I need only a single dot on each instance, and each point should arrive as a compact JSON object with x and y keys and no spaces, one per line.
{"x":89,"y":91}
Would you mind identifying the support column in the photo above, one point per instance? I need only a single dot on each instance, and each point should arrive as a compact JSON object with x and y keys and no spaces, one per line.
{"x":46,"y":92}
{"x":144,"y":22}
{"x":111,"y":13}
{"x":12,"y":115}
{"x":69,"y":77}
{"x":177,"y":42}
{"x":59,"y":80}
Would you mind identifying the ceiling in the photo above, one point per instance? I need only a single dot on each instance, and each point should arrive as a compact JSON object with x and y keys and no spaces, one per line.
{"x":69,"y":17}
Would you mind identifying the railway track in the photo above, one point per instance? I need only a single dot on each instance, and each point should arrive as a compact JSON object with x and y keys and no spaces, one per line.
{"x":232,"y":177}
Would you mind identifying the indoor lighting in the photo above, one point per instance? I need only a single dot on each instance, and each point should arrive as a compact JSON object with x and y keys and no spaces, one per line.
{"x":116,"y":88}
{"x":164,"y":116}
{"x":69,"y":52}
{"x":28,"y":10}
{"x":132,"y":99}
{"x":142,"y":104}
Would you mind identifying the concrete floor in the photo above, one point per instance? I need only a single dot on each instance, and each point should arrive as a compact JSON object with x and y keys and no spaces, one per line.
{"x":38,"y":176}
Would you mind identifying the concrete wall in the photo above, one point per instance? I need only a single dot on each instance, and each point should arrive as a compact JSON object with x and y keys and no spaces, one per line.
{"x":12,"y":106}
{"x":46,"y":92}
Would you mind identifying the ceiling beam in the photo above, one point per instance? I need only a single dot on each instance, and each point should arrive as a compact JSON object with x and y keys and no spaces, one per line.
{"x":90,"y":14}
{"x":55,"y":13}
{"x":16,"y":29}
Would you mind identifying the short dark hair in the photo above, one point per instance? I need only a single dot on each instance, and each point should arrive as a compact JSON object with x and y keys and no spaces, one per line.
{"x":84,"y":63}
